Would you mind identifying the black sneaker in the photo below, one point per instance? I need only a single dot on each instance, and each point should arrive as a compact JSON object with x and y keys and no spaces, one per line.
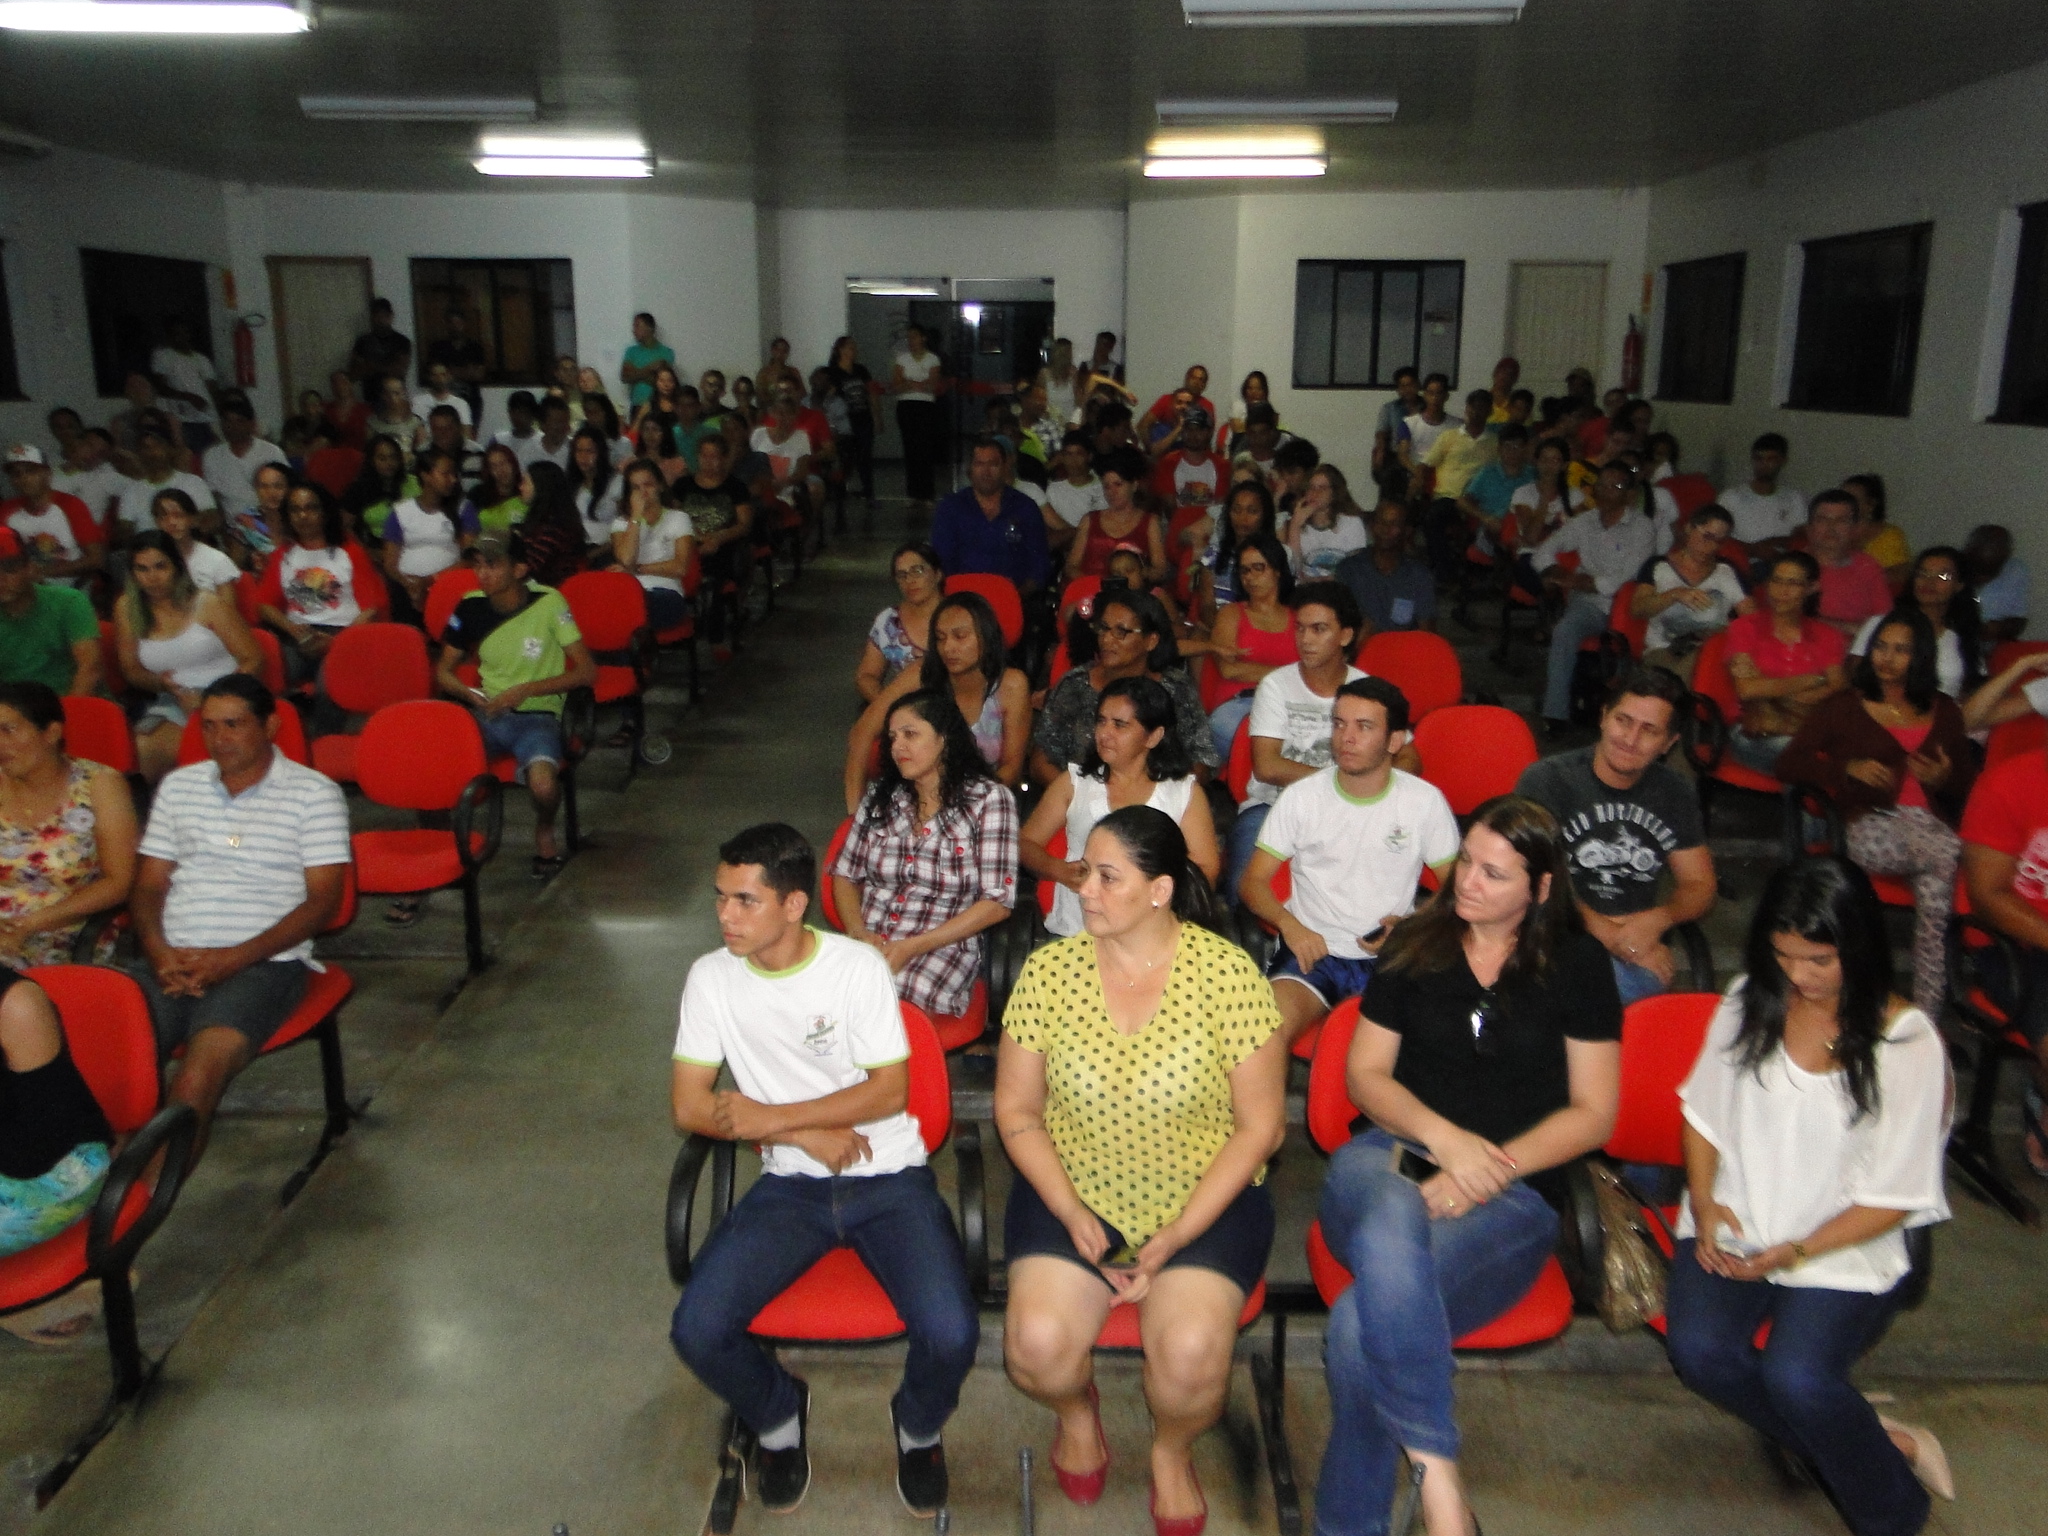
{"x":782,"y":1478}
{"x":920,"y":1475}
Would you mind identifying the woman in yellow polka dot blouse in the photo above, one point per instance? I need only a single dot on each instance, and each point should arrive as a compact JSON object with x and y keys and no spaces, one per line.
{"x":1139,"y":1093}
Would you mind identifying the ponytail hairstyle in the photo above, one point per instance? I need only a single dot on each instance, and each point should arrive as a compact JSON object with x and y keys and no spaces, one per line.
{"x":1154,"y":842}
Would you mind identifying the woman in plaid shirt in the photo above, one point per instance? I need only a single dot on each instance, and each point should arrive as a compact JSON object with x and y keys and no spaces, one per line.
{"x":932,"y":858}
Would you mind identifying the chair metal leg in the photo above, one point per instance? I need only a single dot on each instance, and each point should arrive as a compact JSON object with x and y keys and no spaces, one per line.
{"x":473,"y":925}
{"x":737,"y":1446}
{"x":1971,"y":1149}
{"x":340,"y":1113}
{"x":572,"y":825}
{"x":1269,"y":1386}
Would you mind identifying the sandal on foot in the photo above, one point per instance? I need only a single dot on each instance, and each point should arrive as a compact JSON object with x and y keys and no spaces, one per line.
{"x":404,"y":912}
{"x":546,"y":866}
{"x":1929,"y":1461}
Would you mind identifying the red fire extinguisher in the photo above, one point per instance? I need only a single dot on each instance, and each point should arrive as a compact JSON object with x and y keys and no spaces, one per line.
{"x":1632,"y":359}
{"x":245,"y":355}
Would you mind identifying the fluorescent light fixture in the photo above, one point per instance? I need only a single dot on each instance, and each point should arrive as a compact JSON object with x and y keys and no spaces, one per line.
{"x":219,"y":18}
{"x":891,"y":288}
{"x":1266,"y":144}
{"x":1255,"y":165}
{"x":561,"y":165}
{"x":1192,"y":113}
{"x":562,"y":146}
{"x":420,"y":109}
{"x":1348,"y":13}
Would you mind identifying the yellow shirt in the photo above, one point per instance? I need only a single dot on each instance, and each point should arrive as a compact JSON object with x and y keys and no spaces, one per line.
{"x":1456,"y":458}
{"x":1888,"y":546}
{"x":1138,"y":1119}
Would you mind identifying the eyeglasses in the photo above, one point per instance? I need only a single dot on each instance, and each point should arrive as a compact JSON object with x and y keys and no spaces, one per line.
{"x":1485,"y":1013}
{"x":1944,"y":577}
{"x":1121,"y":631}
{"x":1249,"y":568}
{"x":907,"y":572}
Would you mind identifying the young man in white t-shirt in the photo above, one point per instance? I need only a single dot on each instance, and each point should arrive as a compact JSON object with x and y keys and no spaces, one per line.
{"x":1074,"y":491}
{"x":230,"y":465}
{"x":185,"y":380}
{"x":1358,"y":834}
{"x":809,"y":1024}
{"x":1766,"y":514}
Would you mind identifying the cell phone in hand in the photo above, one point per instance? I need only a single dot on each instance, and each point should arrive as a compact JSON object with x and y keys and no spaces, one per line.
{"x":1413,"y":1166}
{"x":1123,"y":1256}
{"x":479,"y":695}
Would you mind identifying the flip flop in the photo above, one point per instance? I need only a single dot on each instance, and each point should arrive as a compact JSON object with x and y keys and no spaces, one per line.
{"x":404,"y":912}
{"x":546,"y":866}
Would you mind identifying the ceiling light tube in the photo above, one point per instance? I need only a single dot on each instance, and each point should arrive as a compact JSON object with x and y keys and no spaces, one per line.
{"x":558,"y":165}
{"x":1263,"y":144}
{"x":1179,"y":112}
{"x":561,"y":147}
{"x":1348,"y":13}
{"x":1257,"y":165}
{"x":420,"y":109}
{"x":158,"y":18}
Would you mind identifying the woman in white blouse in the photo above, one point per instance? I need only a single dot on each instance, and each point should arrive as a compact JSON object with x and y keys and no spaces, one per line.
{"x":1815,"y":1120}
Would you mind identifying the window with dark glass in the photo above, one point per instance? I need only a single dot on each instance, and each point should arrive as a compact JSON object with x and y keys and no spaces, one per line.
{"x":130,"y":302}
{"x":523,"y":312}
{"x":1357,"y":322}
{"x":2023,"y":386}
{"x":1702,"y":324}
{"x":1859,"y":322}
{"x":10,"y":370}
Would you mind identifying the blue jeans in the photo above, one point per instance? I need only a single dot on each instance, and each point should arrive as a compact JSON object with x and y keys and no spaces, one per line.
{"x":527,"y":736}
{"x":1417,"y":1285}
{"x":666,"y":608}
{"x":1635,"y":982}
{"x":1796,"y":1389}
{"x":898,"y":1225}
{"x":1239,"y":843}
{"x":1224,"y":720}
{"x":1584,"y":617}
{"x":1759,"y":752}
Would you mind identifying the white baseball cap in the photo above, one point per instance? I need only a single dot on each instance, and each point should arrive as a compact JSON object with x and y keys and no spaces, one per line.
{"x":26,"y":453}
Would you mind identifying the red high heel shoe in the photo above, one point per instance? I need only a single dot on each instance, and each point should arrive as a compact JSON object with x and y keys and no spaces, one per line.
{"x":1178,"y":1525}
{"x":1084,"y":1487}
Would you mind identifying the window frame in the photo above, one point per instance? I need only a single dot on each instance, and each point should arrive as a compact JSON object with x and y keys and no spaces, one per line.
{"x":2029,"y":314}
{"x":1906,"y":351}
{"x":10,"y":353}
{"x":1379,"y":268}
{"x":547,"y":343}
{"x":155,"y":274}
{"x":1692,"y":393}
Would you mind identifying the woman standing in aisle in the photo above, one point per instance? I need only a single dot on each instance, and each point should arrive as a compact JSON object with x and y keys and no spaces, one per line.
{"x":917,"y":381}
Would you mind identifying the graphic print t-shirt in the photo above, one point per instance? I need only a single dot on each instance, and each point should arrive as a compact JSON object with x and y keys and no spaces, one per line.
{"x":319,"y":586}
{"x":1290,"y":712}
{"x":1619,"y":839}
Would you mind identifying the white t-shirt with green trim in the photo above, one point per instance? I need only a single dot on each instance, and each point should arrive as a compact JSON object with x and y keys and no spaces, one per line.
{"x":801,"y":1034}
{"x":1356,"y":862}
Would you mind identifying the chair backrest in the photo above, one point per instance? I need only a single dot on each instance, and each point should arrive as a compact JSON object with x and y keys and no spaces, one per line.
{"x":371,"y":665}
{"x":931,"y":1090}
{"x":1002,"y":596}
{"x":110,"y":658}
{"x":335,"y":468}
{"x":610,"y":608}
{"x":449,"y":588}
{"x":1711,"y":680}
{"x":291,"y":737}
{"x":1660,"y":1041}
{"x":1062,"y":663}
{"x":1737,"y":556}
{"x":2006,"y":652}
{"x":2015,"y":738}
{"x":1473,"y":752}
{"x":1238,"y":773}
{"x":1079,"y":591}
{"x":1691,"y":492}
{"x":1330,"y":1110}
{"x":1056,"y":848}
{"x":827,"y":902}
{"x":418,"y":755}
{"x":1423,"y":666}
{"x":246,"y":602}
{"x":97,"y":730}
{"x":272,"y":675}
{"x":1622,"y":620}
{"x":106,"y":1025}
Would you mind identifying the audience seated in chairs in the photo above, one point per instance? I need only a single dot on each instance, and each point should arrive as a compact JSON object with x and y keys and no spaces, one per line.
{"x":1489,"y":497}
{"x":1134,"y":758}
{"x":242,"y":863}
{"x":1356,"y":837}
{"x":427,"y":533}
{"x":1892,"y":752}
{"x":654,"y":540}
{"x":1394,"y":590}
{"x":317,"y":584}
{"x":499,"y":506}
{"x":809,"y":1024}
{"x":1251,"y":636}
{"x":965,"y":664}
{"x":1133,"y":637}
{"x":931,"y":861}
{"x":1327,"y":528}
{"x":173,"y":639}
{"x":1487,"y":1053}
{"x":1626,"y":817}
{"x":901,"y":634}
{"x":1247,"y":510}
{"x":1692,"y":593}
{"x":1161,"y":1202}
{"x":177,"y":518}
{"x":1937,"y":586}
{"x":1611,"y":544}
{"x":1814,"y":1124}
{"x":67,"y":833}
{"x":384,"y":481}
{"x":528,"y":654}
{"x":595,"y":485}
{"x":48,"y":633}
{"x":1783,"y":662}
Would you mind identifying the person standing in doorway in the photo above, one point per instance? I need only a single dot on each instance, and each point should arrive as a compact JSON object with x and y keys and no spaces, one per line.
{"x":917,"y":381}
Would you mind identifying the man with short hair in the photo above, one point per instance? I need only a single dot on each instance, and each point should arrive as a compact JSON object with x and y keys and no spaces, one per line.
{"x":1357,"y":835}
{"x":445,"y":434}
{"x":692,"y":425}
{"x":555,"y":432}
{"x":722,"y":520}
{"x":380,"y":352}
{"x":156,"y":457}
{"x":777,"y":371}
{"x":1169,"y":410}
{"x":463,"y":356}
{"x":522,"y":437}
{"x":990,"y":527}
{"x":1074,"y":491}
{"x":1102,"y":361}
{"x":1612,"y":540}
{"x":1259,"y":442}
{"x":441,"y":392}
{"x":1293,"y":462}
{"x":2001,"y":579}
{"x":57,"y":530}
{"x":1626,"y":818}
{"x":528,"y":653}
{"x":185,"y":379}
{"x":48,"y":633}
{"x":1041,"y":434}
{"x":1853,"y":588}
{"x":1455,"y":457}
{"x":242,"y":863}
{"x":1391,"y":430}
{"x":87,"y":471}
{"x":809,"y":1024}
{"x":1491,"y":492}
{"x":1192,"y":474}
{"x":641,"y":360}
{"x":1766,"y":514}
{"x":1429,"y":423}
{"x":712,"y":388}
{"x":230,"y":465}
{"x":1393,"y":589}
{"x":1507,"y":373}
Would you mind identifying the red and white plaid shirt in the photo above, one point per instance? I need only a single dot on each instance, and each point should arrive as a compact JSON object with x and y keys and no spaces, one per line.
{"x":915,"y":878}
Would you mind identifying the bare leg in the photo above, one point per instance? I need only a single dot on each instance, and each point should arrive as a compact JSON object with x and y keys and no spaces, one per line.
{"x":1056,"y":1310}
{"x":1189,"y":1324}
{"x":544,"y":784}
{"x":157,"y":752}
{"x":1299,"y":1007}
{"x":212,"y":1060}
{"x":1444,"y":1510}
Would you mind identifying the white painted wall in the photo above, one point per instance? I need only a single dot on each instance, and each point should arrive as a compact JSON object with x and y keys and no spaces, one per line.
{"x":817,"y":249}
{"x":48,"y":210}
{"x":1963,"y":161}
{"x":1212,"y":281}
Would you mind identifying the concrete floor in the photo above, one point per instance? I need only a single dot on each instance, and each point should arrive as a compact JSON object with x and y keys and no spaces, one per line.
{"x":460,"y":1325}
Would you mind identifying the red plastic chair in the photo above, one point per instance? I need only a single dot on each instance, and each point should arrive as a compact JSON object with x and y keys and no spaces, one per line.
{"x":1056,"y":848}
{"x":367,"y":667}
{"x":828,"y":903}
{"x":335,"y":468}
{"x":273,"y":675}
{"x":1691,"y":492}
{"x":1972,"y":1146}
{"x":610,"y":608}
{"x":1621,"y":621}
{"x":291,"y":738}
{"x":2006,"y":652}
{"x":1080,"y":590}
{"x":427,"y":755}
{"x":1712,"y":711}
{"x":97,"y":730}
{"x":449,"y":589}
{"x":1473,"y":752}
{"x":107,"y":1028}
{"x":1737,"y":556}
{"x":246,"y":603}
{"x":1543,"y":1313}
{"x":110,"y":659}
{"x":1002,"y":596}
{"x":1237,"y":772}
{"x":1423,"y":666}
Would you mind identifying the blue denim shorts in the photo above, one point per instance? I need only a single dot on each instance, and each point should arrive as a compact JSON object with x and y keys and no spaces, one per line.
{"x":1334,"y":978}
{"x":1236,"y":1245}
{"x":527,"y":736}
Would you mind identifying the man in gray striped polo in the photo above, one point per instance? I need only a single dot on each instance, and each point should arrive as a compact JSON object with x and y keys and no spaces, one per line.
{"x":243,"y":862}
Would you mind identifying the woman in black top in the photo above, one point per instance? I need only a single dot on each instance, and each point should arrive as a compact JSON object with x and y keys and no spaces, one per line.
{"x":850,"y":377}
{"x":54,"y":1141}
{"x":1488,"y":1050}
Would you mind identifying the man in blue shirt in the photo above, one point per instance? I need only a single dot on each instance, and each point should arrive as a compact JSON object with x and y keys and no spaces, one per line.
{"x":989,"y":527}
{"x":1489,"y":492}
{"x":1393,"y":588}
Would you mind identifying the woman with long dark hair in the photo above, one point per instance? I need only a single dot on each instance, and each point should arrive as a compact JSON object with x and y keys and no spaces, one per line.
{"x":383,"y":482}
{"x":551,"y":532}
{"x":1938,"y":585}
{"x":594,"y":484}
{"x":1487,"y":1053}
{"x":1247,"y":510}
{"x":1133,"y":636}
{"x":1121,"y":524}
{"x":1815,"y":1121}
{"x":318,"y":584}
{"x":1251,"y":637}
{"x":1140,"y":1091}
{"x":654,"y":539}
{"x":499,"y":506}
{"x":931,"y":860}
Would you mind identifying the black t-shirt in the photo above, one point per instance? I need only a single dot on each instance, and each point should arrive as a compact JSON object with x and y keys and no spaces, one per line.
{"x":711,"y":511}
{"x":450,"y":353}
{"x":1524,"y":1078}
{"x":382,"y":354}
{"x":852,"y":385}
{"x":1619,"y":839}
{"x":46,"y":1112}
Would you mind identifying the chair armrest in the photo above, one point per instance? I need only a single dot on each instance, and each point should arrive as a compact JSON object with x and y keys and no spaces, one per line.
{"x":682,"y":1197}
{"x":171,"y":1132}
{"x":484,"y":787}
{"x":1582,"y":1242}
{"x":91,"y":931}
{"x":1961,"y":965}
{"x":1705,"y":733}
{"x":1699,"y":954}
{"x":973,"y":1205}
{"x":579,"y":724}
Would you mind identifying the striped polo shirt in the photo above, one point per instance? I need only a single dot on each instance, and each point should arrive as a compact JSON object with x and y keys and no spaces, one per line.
{"x":242,"y":860}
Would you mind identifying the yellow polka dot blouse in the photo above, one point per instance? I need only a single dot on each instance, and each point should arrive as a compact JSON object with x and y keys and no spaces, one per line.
{"x":1137,"y":1119}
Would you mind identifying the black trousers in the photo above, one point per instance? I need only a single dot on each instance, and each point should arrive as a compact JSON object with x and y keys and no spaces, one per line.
{"x":923,"y":435}
{"x":857,"y":453}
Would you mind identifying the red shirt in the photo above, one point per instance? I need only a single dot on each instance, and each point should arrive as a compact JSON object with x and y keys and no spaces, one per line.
{"x":1854,"y":591}
{"x":1819,"y":646}
{"x":2008,"y":813}
{"x":352,"y":426}
{"x":814,"y":426}
{"x":1162,"y":408}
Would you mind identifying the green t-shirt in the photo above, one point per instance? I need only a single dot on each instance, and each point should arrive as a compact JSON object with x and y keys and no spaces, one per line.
{"x":374,"y":517}
{"x":519,"y":647}
{"x":36,"y":648}
{"x":638,"y":356}
{"x":502,"y":518}
{"x":687,"y":439}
